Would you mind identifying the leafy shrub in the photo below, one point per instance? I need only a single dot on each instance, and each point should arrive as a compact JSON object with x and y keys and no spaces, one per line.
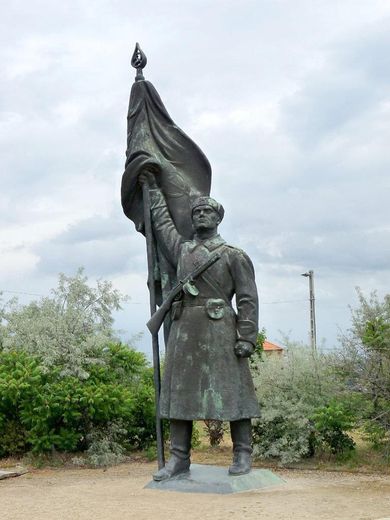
{"x":215,"y":431}
{"x":42,"y":411}
{"x":195,"y":437}
{"x":283,"y":432}
{"x":330,"y":423}
{"x":378,"y":437}
{"x":257,"y":356}
{"x":64,"y":380}
{"x":140,"y":423}
{"x":106,"y":446}
{"x":290,"y":388}
{"x":363,"y":365}
{"x":13,"y":441}
{"x":19,"y":374}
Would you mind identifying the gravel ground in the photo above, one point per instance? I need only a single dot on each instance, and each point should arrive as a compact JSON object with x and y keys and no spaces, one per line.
{"x":118,"y":493}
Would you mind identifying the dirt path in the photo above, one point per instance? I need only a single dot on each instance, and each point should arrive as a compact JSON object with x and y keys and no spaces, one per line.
{"x":118,"y":493}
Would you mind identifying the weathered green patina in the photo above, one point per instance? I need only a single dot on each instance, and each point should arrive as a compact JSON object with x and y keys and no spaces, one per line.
{"x":203,"y":377}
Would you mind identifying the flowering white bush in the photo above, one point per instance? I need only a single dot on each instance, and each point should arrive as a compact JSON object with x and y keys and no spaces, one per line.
{"x":290,"y":388}
{"x":68,"y":328}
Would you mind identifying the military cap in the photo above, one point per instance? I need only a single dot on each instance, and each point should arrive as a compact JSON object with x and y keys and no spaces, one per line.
{"x":208,"y":201}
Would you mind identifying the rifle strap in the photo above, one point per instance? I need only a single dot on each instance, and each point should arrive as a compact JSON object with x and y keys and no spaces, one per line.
{"x":214,"y":285}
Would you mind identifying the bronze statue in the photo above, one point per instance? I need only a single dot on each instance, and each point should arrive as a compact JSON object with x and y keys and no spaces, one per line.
{"x":206,"y":372}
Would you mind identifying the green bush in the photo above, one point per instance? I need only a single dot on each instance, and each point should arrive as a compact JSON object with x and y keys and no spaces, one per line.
{"x":257,"y":356}
{"x":20,"y":375}
{"x":41,"y":411}
{"x":330,"y":424}
{"x":65,"y":382}
{"x":141,"y":423}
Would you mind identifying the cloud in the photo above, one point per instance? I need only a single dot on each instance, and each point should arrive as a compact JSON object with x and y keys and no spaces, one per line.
{"x":351,"y":83}
{"x":292,"y":112}
{"x":105,"y":246}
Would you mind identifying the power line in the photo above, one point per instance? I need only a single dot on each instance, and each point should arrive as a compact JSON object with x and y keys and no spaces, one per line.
{"x":283,"y":301}
{"x":21,"y":292}
{"x":45,"y":295}
{"x":144,"y":303}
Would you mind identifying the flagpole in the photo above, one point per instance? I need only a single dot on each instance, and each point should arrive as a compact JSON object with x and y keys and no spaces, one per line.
{"x":138,"y":61}
{"x":153,"y":306}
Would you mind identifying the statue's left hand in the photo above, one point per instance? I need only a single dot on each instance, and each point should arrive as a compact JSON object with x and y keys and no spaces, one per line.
{"x":243,"y":349}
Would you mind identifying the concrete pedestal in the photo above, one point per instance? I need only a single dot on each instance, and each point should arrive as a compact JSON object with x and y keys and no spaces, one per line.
{"x":203,"y":478}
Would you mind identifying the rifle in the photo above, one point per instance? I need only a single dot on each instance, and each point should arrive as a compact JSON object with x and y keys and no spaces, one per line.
{"x":157,"y":318}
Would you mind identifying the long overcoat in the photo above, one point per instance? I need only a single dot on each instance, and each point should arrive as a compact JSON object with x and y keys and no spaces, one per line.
{"x":203,"y":378}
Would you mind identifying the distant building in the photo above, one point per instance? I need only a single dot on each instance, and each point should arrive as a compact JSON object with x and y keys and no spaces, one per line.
{"x":272,"y":349}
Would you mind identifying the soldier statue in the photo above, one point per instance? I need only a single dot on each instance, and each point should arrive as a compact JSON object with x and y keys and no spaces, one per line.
{"x":206,"y":373}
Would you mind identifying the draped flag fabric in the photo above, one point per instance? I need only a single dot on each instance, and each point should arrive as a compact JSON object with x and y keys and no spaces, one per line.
{"x":156,"y":144}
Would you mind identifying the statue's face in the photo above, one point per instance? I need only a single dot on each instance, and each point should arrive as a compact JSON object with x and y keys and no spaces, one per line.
{"x":205,"y":217}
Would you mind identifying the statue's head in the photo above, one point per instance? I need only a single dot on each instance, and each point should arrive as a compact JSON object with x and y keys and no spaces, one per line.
{"x":206,"y":213}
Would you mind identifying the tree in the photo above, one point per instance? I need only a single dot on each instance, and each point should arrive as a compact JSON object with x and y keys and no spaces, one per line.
{"x":363,"y":362}
{"x":68,"y":328}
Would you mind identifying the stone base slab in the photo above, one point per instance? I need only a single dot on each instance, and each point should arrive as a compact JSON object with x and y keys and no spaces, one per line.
{"x":204,"y":478}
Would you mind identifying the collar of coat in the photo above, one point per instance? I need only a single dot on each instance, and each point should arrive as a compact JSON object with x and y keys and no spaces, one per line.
{"x":209,"y":243}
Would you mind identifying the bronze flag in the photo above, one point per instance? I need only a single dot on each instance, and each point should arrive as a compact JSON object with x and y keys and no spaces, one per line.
{"x":156,"y":144}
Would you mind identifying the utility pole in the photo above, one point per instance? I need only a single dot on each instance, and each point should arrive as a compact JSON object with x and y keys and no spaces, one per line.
{"x":313,"y":333}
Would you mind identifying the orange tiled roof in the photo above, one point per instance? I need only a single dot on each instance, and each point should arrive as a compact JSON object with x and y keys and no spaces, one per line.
{"x":267,"y":346}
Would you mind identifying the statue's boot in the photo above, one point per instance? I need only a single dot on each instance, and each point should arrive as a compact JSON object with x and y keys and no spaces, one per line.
{"x":241,"y":432}
{"x":179,"y":461}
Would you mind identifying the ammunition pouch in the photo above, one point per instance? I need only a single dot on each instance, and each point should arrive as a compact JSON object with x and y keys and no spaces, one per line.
{"x":215,"y":308}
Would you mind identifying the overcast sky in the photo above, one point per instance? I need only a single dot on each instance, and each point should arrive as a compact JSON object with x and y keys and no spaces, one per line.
{"x":289,"y":100}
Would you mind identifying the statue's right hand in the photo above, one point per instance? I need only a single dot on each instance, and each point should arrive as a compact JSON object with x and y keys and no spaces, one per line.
{"x":148,"y":178}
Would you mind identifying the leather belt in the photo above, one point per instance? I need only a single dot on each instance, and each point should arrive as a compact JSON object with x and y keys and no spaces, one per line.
{"x":196,"y":302}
